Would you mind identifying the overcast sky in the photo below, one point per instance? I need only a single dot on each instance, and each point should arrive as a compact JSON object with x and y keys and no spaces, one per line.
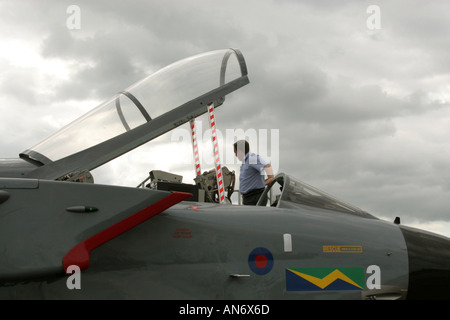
{"x":353,"y":97}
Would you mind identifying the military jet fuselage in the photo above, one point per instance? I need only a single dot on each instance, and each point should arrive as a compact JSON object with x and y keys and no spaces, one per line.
{"x":65,"y":237}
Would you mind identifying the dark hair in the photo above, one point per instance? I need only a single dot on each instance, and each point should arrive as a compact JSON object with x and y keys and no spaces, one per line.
{"x":241,"y":145}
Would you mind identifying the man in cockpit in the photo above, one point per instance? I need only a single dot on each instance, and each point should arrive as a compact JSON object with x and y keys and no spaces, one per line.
{"x":251,"y":178}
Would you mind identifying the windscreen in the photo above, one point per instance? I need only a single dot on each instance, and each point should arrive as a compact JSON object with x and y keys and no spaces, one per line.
{"x":298,"y":192}
{"x":142,"y":102}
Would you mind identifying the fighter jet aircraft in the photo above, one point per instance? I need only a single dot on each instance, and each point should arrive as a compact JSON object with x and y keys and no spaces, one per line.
{"x":64,"y":237}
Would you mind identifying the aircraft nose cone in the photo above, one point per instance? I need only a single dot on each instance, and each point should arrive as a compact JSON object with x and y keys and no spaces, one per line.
{"x":429,"y":264}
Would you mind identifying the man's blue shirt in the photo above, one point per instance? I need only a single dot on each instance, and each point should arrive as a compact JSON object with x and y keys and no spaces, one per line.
{"x":252,"y":173}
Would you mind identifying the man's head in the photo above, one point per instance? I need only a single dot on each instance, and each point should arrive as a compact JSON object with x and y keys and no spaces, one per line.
{"x":241,"y":148}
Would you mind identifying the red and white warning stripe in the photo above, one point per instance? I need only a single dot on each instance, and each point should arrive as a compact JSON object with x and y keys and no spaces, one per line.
{"x":219,"y":177}
{"x":198,"y":171}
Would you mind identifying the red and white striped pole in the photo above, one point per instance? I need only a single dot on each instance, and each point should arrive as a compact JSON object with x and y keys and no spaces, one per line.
{"x":198,"y":171}
{"x":219,"y":177}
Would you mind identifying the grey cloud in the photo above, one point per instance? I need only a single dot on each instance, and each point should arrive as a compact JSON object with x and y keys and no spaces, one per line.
{"x":119,"y":43}
{"x":20,"y":82}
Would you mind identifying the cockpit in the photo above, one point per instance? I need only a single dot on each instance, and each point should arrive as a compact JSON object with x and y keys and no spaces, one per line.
{"x":285,"y":191}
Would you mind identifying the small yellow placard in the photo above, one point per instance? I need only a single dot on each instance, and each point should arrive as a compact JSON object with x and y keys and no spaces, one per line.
{"x":342,"y":249}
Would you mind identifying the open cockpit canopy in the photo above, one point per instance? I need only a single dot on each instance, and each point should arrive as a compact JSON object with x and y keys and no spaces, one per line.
{"x":140,"y":113}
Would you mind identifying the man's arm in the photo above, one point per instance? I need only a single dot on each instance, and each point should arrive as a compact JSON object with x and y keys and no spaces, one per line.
{"x":269,"y":172}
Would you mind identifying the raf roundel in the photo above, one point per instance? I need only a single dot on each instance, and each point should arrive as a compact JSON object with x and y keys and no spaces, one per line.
{"x":260,"y":261}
